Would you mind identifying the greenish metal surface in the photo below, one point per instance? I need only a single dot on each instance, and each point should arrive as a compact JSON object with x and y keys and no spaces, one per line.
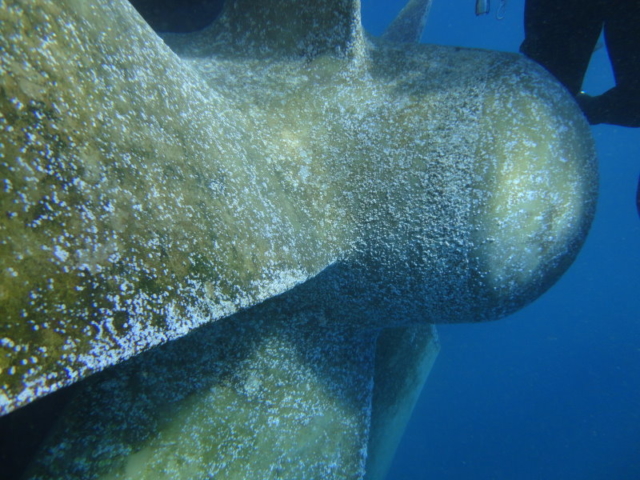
{"x":151,"y":187}
{"x":333,"y":194}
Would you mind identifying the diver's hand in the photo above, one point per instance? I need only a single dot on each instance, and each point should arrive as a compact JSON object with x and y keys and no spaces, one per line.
{"x":591,"y":108}
{"x":616,"y":106}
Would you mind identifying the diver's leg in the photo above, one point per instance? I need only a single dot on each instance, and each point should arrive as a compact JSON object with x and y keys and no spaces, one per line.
{"x":560,"y":35}
{"x":621,"y":104}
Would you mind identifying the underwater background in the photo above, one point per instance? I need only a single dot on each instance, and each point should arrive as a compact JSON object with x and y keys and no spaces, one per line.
{"x":552,"y":392}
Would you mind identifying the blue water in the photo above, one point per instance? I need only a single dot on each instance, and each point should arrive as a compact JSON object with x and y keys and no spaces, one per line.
{"x":552,"y":392}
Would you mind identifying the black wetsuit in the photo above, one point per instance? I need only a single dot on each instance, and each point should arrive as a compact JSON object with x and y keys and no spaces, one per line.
{"x":561,"y":35}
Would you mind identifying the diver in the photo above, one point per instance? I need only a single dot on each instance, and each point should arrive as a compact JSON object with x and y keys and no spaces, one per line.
{"x":561,"y":35}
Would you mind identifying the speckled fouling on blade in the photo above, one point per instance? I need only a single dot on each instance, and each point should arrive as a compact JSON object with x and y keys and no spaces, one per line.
{"x":133,"y":207}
